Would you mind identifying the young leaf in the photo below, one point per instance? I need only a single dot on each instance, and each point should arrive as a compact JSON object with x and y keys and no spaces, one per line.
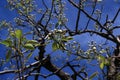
{"x":7,"y":42}
{"x":34,"y":42}
{"x":102,"y":61}
{"x":107,"y":62}
{"x":101,"y":58}
{"x":29,"y":46}
{"x":102,"y":64}
{"x":12,"y":34}
{"x":18,"y":34}
{"x":8,"y":55}
{"x":55,"y":46}
{"x":93,"y":75}
{"x":29,"y":55}
{"x":67,"y":38}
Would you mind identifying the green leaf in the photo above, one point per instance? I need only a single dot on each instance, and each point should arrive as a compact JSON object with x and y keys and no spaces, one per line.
{"x":102,"y":61}
{"x":7,"y":42}
{"x":107,"y":62}
{"x":101,"y":58}
{"x":12,"y":34}
{"x":55,"y":46}
{"x":102,"y":64}
{"x":93,"y":75}
{"x":18,"y":34}
{"x":29,"y":46}
{"x":27,"y":1}
{"x":8,"y":55}
{"x":67,"y":38}
{"x":29,"y":55}
{"x":34,"y":42}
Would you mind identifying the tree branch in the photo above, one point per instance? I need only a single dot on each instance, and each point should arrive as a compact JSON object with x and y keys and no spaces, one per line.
{"x":116,"y":16}
{"x":61,"y":74}
{"x":78,"y":17}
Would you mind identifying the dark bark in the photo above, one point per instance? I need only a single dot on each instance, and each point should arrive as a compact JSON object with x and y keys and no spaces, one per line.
{"x":111,"y":70}
{"x":40,"y":56}
{"x":51,"y":67}
{"x":114,"y":67}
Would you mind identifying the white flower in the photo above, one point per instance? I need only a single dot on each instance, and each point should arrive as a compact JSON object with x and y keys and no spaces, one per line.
{"x":60,"y":30}
{"x":94,"y":48}
{"x":97,"y":0}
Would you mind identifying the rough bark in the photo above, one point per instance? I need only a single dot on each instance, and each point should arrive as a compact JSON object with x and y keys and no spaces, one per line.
{"x":114,"y":67}
{"x":111,"y":70}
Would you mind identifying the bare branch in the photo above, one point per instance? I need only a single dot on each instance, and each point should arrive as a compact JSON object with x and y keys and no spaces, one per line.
{"x":78,"y":16}
{"x":116,"y":16}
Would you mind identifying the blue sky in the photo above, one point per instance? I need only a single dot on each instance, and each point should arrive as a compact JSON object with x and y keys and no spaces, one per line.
{"x":110,"y":7}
